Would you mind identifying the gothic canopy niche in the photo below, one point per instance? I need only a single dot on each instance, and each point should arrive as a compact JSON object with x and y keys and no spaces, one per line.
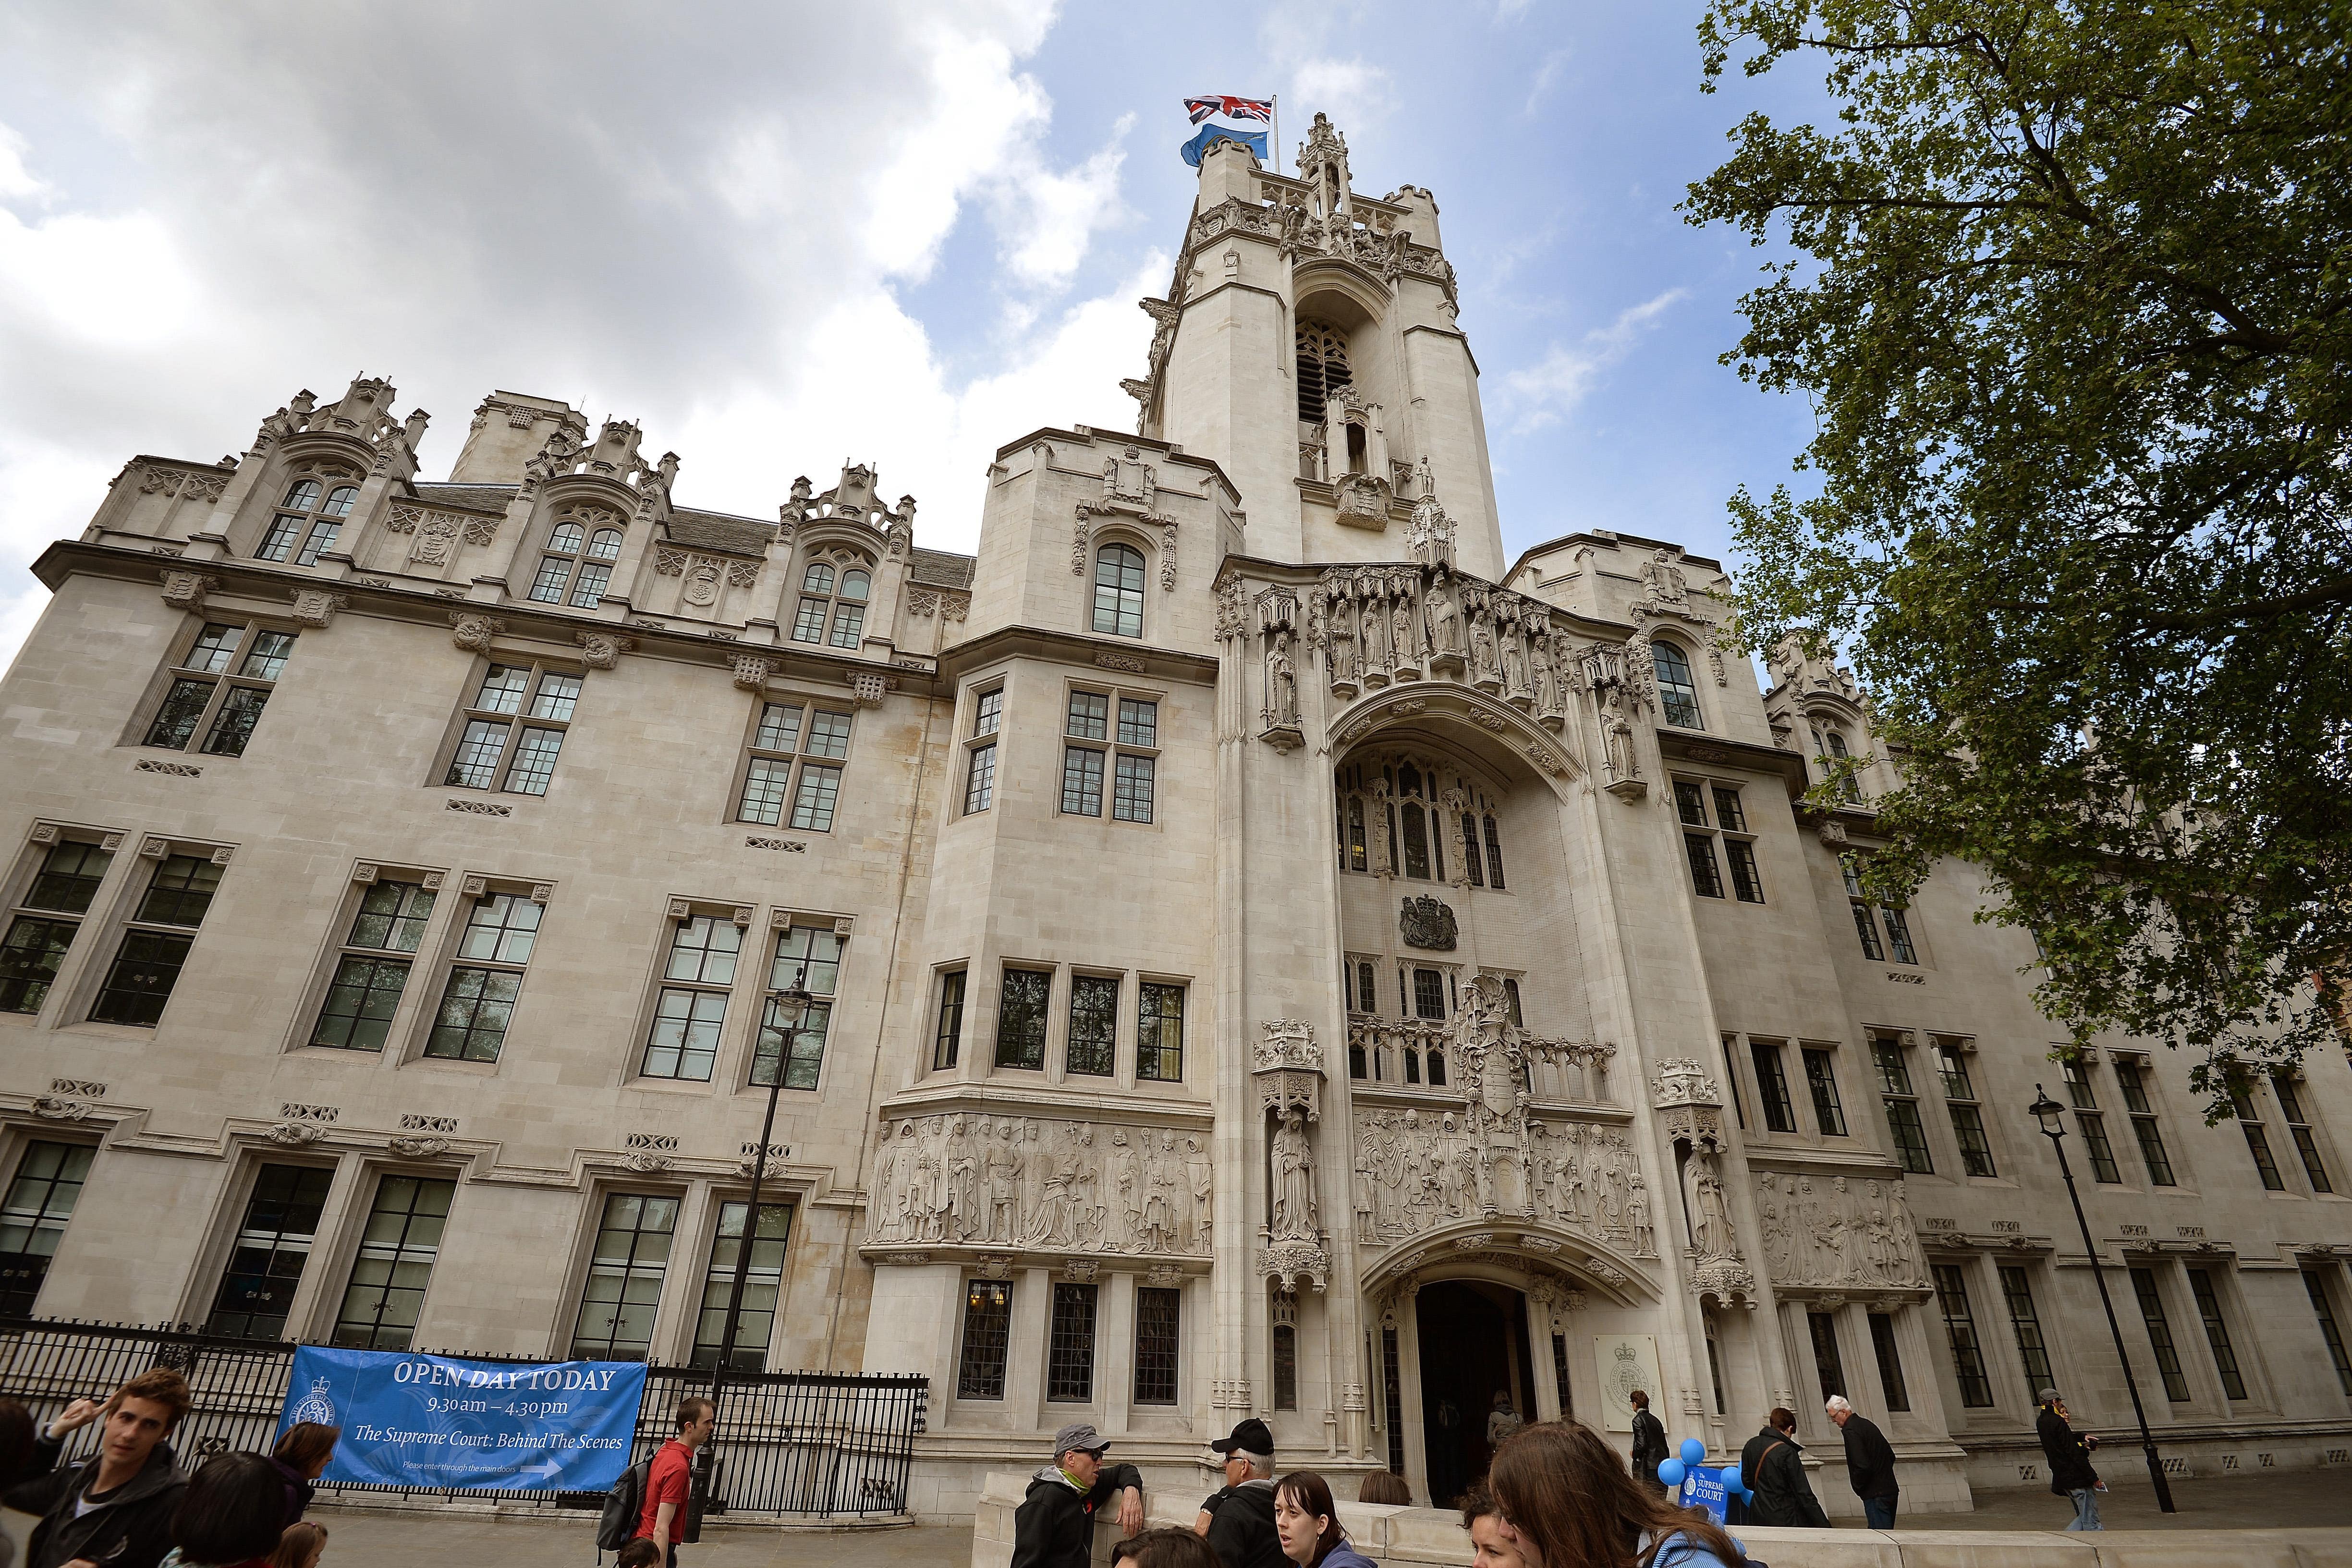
{"x":1690,"y":1115}
{"x":1287,"y":1065}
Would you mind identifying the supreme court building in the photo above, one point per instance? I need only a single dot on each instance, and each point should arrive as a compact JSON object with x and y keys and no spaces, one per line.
{"x":1276,"y":954}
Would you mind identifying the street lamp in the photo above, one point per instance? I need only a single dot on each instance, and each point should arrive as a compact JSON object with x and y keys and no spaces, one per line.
{"x":787,"y":1011}
{"x":2053,"y":1117}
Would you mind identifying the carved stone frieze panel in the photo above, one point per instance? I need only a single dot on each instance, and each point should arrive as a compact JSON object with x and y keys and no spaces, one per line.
{"x":1414,"y":1170}
{"x":1013,"y":1181}
{"x":1838,"y":1230}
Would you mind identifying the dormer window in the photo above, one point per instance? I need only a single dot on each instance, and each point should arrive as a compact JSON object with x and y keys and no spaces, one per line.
{"x":311,"y":517}
{"x":1830,"y":747}
{"x":1677,"y":692}
{"x":579,"y":559}
{"x":834,"y":597}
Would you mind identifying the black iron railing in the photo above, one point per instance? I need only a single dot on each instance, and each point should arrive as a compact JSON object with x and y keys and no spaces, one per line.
{"x":789,"y":1442}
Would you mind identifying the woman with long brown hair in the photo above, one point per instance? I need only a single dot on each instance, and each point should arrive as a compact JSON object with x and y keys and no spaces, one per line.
{"x":1308,"y":1522}
{"x":1567,"y":1500}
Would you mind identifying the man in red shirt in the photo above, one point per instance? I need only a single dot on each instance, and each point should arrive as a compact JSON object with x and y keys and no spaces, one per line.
{"x":672,"y":1476}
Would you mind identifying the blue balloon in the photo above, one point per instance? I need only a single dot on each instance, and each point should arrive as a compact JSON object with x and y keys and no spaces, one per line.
{"x":1671,"y":1472}
{"x":1731,"y":1481}
{"x":1692,"y":1450}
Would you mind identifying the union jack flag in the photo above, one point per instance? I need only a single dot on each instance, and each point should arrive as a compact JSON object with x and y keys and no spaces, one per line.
{"x":1233,"y":107}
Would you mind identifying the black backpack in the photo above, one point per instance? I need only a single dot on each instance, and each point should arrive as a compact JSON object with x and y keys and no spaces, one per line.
{"x":625,"y":1508}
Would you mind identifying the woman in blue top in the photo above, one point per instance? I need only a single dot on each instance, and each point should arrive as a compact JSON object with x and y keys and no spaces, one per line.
{"x":1561,"y":1498}
{"x":1308,"y":1522}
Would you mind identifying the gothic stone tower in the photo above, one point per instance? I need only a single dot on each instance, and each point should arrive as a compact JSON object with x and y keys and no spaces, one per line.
{"x":1432,"y":1126}
{"x":1308,"y":345}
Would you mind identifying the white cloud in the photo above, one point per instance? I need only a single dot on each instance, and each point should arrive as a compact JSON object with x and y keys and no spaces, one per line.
{"x":1046,"y":221}
{"x":1544,"y":392}
{"x":1356,"y":94}
{"x":701,"y":228}
{"x":16,"y":181}
{"x":1547,"y":77}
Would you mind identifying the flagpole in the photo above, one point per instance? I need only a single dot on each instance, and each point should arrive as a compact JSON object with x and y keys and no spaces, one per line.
{"x":1276,"y":102}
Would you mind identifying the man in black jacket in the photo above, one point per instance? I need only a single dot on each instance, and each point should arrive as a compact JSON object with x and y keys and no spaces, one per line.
{"x":116,"y":1506}
{"x":1774,"y":1467}
{"x":1241,"y":1530}
{"x":1054,"y":1526}
{"x":2071,"y":1474}
{"x":1869,"y":1464}
{"x":1650,"y":1449}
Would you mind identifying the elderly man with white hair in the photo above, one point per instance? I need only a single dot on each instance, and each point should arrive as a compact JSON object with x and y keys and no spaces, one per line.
{"x":1869,"y":1463}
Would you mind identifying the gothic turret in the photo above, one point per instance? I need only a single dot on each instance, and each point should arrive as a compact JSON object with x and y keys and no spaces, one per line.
{"x":1308,"y":345}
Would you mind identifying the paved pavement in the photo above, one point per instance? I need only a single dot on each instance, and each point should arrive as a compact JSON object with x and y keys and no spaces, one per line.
{"x":367,"y":1538}
{"x":2275,"y":1500}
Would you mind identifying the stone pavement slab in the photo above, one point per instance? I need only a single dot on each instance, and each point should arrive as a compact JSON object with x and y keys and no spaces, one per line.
{"x":371,"y":1539}
{"x":2272,"y":1500}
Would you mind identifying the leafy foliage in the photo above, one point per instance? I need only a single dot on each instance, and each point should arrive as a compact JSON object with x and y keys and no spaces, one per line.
{"x":2070,"y":299}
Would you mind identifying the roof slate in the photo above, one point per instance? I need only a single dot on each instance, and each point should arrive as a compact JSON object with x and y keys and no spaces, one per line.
{"x":942,"y":569}
{"x":719,"y":531}
{"x":479,"y":497}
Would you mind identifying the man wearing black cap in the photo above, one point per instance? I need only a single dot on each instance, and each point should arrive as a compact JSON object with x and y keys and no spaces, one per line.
{"x":1241,"y":1530}
{"x":1054,"y":1526}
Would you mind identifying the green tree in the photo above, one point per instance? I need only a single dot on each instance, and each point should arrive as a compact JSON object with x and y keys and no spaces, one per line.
{"x":2067,"y":287}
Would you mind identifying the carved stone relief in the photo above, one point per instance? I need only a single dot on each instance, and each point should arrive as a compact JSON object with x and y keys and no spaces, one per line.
{"x":1837,"y":1230}
{"x":1415,"y":1170}
{"x":1379,"y":625}
{"x":317,"y":607}
{"x":1016,"y":1181}
{"x":1428,"y":924}
{"x":473,"y":633}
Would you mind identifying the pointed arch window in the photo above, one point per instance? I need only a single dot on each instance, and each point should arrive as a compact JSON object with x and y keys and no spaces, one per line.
{"x":1322,"y":368}
{"x":1119,"y":591}
{"x":1833,"y":751}
{"x":311,"y":516}
{"x":1415,"y":821}
{"x":1677,"y":692}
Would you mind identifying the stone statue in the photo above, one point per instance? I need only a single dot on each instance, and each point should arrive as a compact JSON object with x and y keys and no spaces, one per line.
{"x":1663,"y":581}
{"x":1281,"y":682}
{"x":1293,"y":1165}
{"x":1710,"y":1217}
{"x":1617,"y":737}
{"x":1003,"y":1188}
{"x":1637,"y":1218}
{"x":1376,"y":636}
{"x":1197,"y":1172}
{"x":1769,"y":1213}
{"x":1446,"y":615}
{"x":1342,"y":643}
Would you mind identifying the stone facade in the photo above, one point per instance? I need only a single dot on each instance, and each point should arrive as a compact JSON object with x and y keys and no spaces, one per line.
{"x":1275,"y":956}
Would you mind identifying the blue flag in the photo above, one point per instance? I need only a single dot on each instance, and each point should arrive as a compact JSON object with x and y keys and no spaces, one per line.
{"x":1253,"y":139}
{"x":421,"y":1420}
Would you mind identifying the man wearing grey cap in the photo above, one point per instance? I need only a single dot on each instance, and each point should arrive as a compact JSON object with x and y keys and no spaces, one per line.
{"x":1054,"y":1526}
{"x":1241,"y":1528}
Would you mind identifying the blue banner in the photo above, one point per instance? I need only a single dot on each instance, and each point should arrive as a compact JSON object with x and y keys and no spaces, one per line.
{"x":418,"y":1420}
{"x":1253,"y":139}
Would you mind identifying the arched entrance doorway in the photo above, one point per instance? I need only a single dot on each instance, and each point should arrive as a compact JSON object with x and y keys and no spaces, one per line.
{"x":1474,"y":1345}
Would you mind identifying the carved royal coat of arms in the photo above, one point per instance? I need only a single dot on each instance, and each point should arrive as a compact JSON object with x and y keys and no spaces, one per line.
{"x":1426,"y":923}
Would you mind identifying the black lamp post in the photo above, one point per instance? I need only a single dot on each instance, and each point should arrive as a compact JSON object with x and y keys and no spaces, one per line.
{"x":2053,"y":1117}
{"x":787,"y":1010}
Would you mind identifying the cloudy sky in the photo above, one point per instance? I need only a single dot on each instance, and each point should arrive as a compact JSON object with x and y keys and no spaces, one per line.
{"x":902,"y":231}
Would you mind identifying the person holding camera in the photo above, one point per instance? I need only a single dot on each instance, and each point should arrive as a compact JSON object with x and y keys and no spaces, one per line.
{"x":2068,"y":1453}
